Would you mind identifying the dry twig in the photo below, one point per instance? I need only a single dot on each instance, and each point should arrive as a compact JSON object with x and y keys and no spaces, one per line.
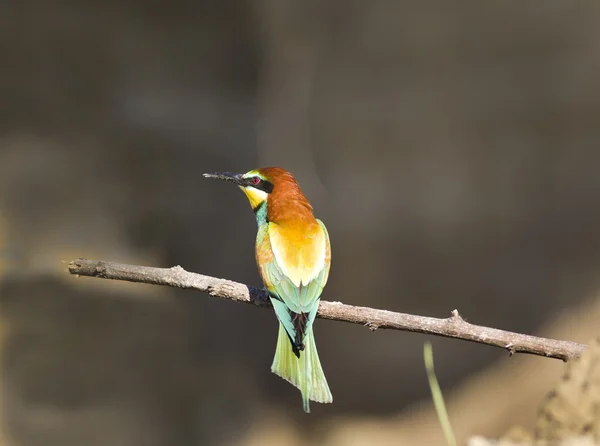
{"x":453,"y":327}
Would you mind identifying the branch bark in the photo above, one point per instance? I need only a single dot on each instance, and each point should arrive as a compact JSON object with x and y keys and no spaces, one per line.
{"x":452,"y":327}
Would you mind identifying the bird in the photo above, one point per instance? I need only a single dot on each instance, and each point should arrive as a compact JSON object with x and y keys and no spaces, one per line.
{"x":293,"y":255}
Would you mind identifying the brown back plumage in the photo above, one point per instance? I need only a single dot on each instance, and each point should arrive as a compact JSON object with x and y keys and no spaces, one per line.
{"x":287,"y":202}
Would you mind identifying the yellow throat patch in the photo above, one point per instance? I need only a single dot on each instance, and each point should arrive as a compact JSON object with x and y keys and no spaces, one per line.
{"x":255,"y":196}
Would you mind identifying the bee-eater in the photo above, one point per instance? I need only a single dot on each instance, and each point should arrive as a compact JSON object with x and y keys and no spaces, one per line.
{"x":293,"y":255}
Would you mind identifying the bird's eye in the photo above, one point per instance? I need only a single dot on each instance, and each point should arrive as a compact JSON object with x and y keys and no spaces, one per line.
{"x":255,"y":180}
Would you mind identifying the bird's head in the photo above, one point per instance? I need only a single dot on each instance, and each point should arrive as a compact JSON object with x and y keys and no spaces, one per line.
{"x":257,"y":184}
{"x":272,"y":185}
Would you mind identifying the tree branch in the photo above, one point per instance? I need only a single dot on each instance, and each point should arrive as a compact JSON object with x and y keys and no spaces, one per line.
{"x":452,"y":327}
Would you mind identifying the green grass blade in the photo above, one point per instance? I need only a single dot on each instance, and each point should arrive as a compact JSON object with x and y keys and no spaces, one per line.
{"x":436,"y":393}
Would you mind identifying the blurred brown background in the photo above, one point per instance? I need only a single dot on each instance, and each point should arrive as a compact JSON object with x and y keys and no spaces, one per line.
{"x":451,"y":148}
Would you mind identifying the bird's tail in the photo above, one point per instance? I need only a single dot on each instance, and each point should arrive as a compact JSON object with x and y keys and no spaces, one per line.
{"x":304,"y":372}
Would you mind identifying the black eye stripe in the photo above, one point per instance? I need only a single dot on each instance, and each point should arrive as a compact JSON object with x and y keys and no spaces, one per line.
{"x":263,"y":185}
{"x":266,"y":186}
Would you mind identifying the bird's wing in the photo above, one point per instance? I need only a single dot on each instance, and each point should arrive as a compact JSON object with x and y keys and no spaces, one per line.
{"x":294,"y":270}
{"x":327,"y":252}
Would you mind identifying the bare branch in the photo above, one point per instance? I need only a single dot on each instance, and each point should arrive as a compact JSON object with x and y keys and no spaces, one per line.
{"x":453,"y":327}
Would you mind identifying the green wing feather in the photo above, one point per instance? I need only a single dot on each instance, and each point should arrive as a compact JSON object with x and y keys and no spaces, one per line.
{"x":285,"y":295}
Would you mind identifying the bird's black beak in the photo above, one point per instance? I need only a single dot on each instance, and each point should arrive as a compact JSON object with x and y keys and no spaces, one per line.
{"x":227,"y":176}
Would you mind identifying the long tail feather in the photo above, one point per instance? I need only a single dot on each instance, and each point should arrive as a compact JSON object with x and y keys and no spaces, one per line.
{"x":305,"y":372}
